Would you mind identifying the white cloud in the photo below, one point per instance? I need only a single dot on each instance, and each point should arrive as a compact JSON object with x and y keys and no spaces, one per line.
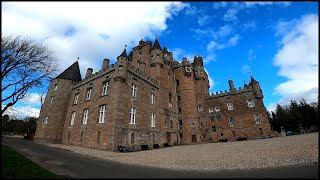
{"x":100,"y":29}
{"x":22,"y":112}
{"x":34,"y":98}
{"x":297,"y":59}
{"x":211,"y":81}
{"x":251,"y":55}
{"x":203,"y":19}
{"x":246,"y":69}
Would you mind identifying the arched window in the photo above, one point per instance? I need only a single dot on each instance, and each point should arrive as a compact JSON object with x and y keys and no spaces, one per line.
{"x":81,"y":136}
{"x":132,"y":138}
{"x":98,"y":136}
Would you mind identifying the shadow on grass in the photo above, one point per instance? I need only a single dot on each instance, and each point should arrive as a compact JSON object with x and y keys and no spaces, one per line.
{"x":14,"y":165}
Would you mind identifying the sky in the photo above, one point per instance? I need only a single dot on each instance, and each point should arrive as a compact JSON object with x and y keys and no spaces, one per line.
{"x":275,"y":42}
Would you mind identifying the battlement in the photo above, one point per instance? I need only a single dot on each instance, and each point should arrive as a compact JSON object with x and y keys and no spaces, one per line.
{"x":226,"y":92}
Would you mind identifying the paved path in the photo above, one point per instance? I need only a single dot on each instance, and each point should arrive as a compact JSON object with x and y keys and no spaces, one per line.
{"x":71,"y":164}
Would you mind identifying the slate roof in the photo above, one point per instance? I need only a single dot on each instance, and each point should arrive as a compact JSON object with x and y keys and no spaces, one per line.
{"x":71,"y":73}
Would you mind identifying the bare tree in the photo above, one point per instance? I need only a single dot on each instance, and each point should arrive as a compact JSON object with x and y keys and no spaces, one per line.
{"x":25,"y":64}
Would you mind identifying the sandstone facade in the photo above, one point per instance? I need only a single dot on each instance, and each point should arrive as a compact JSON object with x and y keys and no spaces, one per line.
{"x":147,"y":100}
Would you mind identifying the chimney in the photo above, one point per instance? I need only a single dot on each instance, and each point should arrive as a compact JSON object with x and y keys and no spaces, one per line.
{"x":231,"y":85}
{"x":89,"y":73}
{"x":105,"y":64}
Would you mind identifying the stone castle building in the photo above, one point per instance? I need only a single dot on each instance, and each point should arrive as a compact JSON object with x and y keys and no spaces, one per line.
{"x":148,"y":100}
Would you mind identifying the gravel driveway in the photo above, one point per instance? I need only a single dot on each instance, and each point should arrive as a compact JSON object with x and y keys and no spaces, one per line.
{"x":262,"y":153}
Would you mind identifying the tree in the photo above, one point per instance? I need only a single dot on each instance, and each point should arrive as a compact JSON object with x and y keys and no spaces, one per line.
{"x":25,"y":64}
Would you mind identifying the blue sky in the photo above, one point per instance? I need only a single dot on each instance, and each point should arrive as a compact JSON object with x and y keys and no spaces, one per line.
{"x":276,"y":42}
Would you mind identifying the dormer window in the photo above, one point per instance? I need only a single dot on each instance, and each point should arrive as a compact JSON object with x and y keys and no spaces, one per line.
{"x":217,"y":109}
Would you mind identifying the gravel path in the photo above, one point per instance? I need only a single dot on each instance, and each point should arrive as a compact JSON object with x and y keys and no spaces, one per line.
{"x":262,"y":153}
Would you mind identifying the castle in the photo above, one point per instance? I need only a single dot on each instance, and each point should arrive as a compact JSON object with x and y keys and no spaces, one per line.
{"x":148,"y":100}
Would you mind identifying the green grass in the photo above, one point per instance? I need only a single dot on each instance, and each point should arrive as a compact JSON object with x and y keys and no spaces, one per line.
{"x":14,"y":165}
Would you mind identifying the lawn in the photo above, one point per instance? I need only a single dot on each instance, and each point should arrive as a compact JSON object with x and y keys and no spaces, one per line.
{"x":14,"y":165}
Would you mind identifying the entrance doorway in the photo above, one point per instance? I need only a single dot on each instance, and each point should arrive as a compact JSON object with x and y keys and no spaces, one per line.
{"x":194,"y":138}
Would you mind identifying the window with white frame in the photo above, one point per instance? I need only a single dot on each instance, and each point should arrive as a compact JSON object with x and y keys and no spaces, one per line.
{"x":231,"y":121}
{"x":230,"y":106}
{"x":102,"y":113}
{"x":152,"y":98}
{"x":85,"y":116}
{"x":211,"y":110}
{"x":217,"y":109}
{"x":105,"y":88}
{"x":250,"y":102}
{"x":200,"y":108}
{"x":76,"y":99}
{"x":45,"y":121}
{"x":134,"y":90}
{"x":133,"y":115}
{"x":89,"y":94}
{"x":51,"y":99}
{"x":153,"y":120}
{"x":257,"y":118}
{"x":55,"y":88}
{"x":73,"y":116}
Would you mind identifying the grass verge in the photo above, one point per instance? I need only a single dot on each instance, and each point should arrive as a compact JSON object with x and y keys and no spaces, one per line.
{"x":14,"y":165}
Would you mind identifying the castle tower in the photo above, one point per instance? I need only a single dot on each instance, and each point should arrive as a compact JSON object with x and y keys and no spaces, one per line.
{"x":256,"y":88}
{"x":53,"y":112}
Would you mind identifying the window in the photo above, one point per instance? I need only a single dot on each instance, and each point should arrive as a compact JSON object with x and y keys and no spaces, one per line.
{"x":51,"y":99}
{"x":257,"y":118}
{"x":102,"y":113}
{"x":179,"y":98}
{"x":133,"y":115}
{"x":81,"y":136}
{"x":88,"y":94}
{"x":132,"y":138}
{"x":214,"y":128}
{"x":69,"y":136}
{"x":221,"y":134}
{"x":201,"y":125}
{"x":177,"y":82}
{"x":45,"y":121}
{"x":179,"y":111}
{"x":250,"y":102}
{"x":231,"y":121}
{"x":171,"y":123}
{"x":230,"y":106}
{"x":73,"y":115}
{"x":152,"y":98}
{"x":76,"y":99}
{"x":170,"y":100}
{"x":210,"y":110}
{"x":98,"y":137}
{"x":134,"y":90}
{"x":105,"y":88}
{"x":200,"y":108}
{"x":217,"y":117}
{"x":85,"y":116}
{"x":153,"y":120}
{"x":55,"y":87}
{"x":217,"y":109}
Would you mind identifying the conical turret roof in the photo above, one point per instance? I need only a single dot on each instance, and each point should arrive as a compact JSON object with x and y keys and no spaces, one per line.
{"x":71,"y":73}
{"x":124,"y":53}
{"x":253,"y":81}
{"x":156,"y":44}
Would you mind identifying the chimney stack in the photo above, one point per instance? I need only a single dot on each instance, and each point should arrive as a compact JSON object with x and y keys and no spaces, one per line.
{"x":89,"y":73}
{"x":105,"y":64}
{"x":231,"y":85}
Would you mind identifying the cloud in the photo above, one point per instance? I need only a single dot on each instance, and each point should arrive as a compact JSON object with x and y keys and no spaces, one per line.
{"x":203,"y":19}
{"x":251,"y":55}
{"x":32,"y":98}
{"x":179,"y":53}
{"x":21,"y":112}
{"x":246,"y":69}
{"x":89,"y":30}
{"x":211,"y":81}
{"x":297,"y":59}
